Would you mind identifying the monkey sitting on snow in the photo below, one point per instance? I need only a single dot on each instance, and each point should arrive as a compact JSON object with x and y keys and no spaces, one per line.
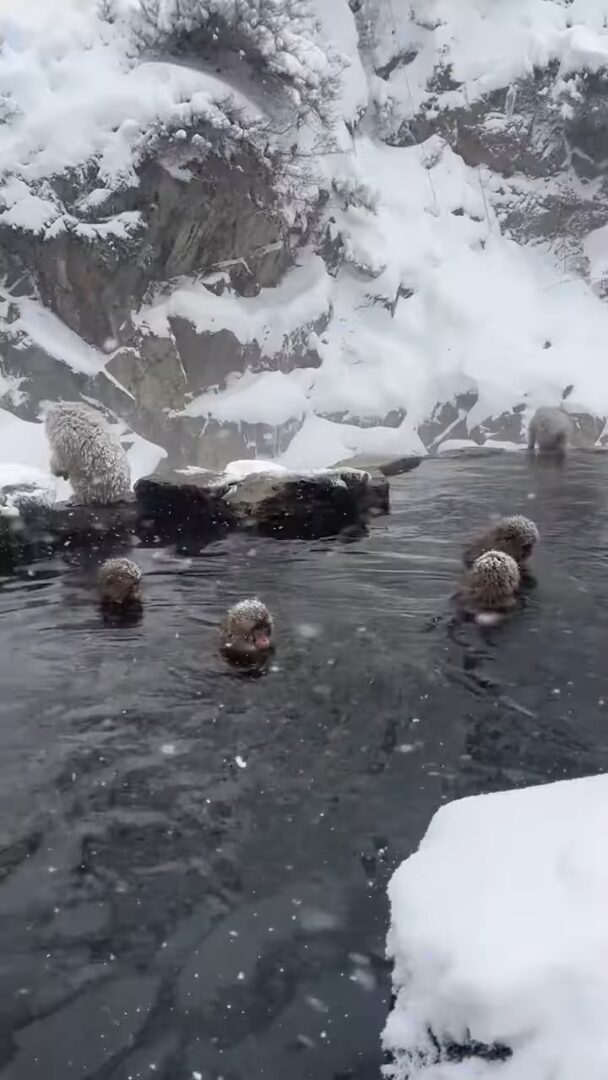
{"x":551,"y":429}
{"x":86,"y":453}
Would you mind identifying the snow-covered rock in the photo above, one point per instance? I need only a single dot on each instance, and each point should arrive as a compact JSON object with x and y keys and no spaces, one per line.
{"x":238,"y":470}
{"x":198,"y":503}
{"x":499,"y":940}
{"x":305,"y":230}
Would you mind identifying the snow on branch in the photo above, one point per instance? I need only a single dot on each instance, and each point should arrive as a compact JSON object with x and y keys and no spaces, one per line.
{"x":284,"y":35}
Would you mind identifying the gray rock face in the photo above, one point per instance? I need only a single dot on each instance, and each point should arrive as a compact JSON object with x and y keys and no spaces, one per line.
{"x":40,"y":375}
{"x":215,"y":212}
{"x":539,"y":154}
{"x":152,"y":373}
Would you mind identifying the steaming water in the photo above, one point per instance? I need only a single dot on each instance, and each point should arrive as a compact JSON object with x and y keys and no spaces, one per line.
{"x":193,"y":864}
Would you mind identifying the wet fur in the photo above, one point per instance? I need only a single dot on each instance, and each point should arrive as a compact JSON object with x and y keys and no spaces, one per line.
{"x":87,"y":454}
{"x":550,"y":429}
{"x":516,"y":536}
{"x":119,"y":582}
{"x":240,"y":623}
{"x":491,"y":584}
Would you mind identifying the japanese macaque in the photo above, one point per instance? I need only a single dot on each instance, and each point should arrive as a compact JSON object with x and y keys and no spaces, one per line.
{"x":119,"y":583}
{"x":246,"y":634}
{"x":551,"y":429}
{"x":491,"y":584}
{"x":85,"y":452}
{"x":515,"y":535}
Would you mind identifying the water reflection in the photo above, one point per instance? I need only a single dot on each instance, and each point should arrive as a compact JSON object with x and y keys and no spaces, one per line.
{"x":193,"y":864}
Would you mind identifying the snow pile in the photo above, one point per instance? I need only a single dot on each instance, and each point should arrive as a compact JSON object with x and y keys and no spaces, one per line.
{"x":499,"y":938}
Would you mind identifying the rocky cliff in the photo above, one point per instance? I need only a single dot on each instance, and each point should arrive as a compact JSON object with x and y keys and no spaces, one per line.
{"x":292,"y":229}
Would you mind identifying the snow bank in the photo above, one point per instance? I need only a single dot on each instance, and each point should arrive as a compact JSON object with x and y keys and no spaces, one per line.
{"x":499,"y":938}
{"x":321,"y":442}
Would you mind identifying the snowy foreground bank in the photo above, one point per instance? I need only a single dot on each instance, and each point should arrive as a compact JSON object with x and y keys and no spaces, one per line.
{"x":499,"y":936}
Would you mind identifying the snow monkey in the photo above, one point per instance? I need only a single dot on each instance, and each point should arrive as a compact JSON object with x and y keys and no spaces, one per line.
{"x":246,"y":634}
{"x":119,"y":584}
{"x":551,"y":429}
{"x":515,"y":535}
{"x":85,"y":452}
{"x":491,"y":584}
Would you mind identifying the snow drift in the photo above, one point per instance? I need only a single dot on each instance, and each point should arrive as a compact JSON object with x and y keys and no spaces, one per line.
{"x":499,"y":939}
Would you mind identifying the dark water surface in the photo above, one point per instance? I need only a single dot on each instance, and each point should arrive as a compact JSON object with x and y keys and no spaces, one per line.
{"x":166,"y":912}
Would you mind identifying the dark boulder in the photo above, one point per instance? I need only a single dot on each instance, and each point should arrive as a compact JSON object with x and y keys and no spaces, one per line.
{"x":379,"y":463}
{"x":73,"y":525}
{"x":307,"y":505}
{"x":191,"y":508}
{"x":10,"y":542}
{"x":179,"y":506}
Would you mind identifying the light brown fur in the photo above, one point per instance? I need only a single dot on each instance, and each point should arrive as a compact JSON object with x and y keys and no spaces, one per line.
{"x":550,"y":429}
{"x":245,"y":622}
{"x":492,"y":583}
{"x":120,"y":583}
{"x":515,"y":535}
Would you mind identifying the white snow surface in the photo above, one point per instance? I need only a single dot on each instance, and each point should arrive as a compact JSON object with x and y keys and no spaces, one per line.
{"x":47,"y":331}
{"x":499,"y":934}
{"x":488,"y":45}
{"x":302,"y":297}
{"x":433,"y":301}
{"x":238,"y":470}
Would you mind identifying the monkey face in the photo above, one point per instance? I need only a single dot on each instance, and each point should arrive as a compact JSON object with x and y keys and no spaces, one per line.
{"x":252,"y":638}
{"x":249,"y":644}
{"x":246,"y":635}
{"x":261,"y":635}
